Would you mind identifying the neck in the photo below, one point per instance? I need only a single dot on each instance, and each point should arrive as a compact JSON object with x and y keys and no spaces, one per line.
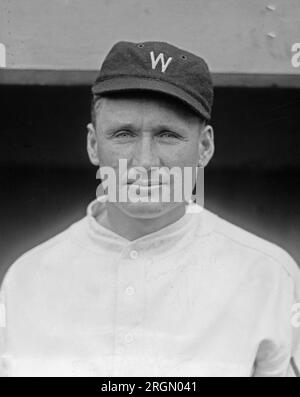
{"x":133,"y":228}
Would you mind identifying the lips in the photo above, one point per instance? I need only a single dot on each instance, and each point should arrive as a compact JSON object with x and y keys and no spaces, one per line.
{"x":143,"y":183}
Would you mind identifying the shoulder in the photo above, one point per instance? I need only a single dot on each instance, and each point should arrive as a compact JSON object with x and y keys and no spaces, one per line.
{"x":55,"y":249}
{"x":233,"y":241}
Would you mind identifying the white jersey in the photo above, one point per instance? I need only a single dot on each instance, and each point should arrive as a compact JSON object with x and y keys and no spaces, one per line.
{"x":200,"y":297}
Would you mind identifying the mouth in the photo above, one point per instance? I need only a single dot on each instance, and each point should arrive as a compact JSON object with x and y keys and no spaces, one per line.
{"x":144,"y":184}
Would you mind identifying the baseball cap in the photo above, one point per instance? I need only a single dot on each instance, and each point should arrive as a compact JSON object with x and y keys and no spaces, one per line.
{"x":160,"y":67}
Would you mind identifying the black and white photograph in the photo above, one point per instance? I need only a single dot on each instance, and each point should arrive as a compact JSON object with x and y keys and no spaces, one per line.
{"x":149,"y":190}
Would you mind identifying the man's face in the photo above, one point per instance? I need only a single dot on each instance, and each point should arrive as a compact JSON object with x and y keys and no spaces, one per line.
{"x":147,"y":131}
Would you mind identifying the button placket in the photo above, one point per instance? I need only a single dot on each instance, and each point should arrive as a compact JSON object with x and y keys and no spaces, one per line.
{"x":130,"y":302}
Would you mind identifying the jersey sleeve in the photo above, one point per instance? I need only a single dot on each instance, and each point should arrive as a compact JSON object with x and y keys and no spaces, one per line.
{"x":279,"y":352}
{"x":294,"y":364}
{"x":5,"y":360}
{"x":2,"y":329}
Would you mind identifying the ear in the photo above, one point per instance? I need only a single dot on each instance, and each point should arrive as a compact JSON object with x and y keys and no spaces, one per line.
{"x":206,"y":145}
{"x":92,"y":144}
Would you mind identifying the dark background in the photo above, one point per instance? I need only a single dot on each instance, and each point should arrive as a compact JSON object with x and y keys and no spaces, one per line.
{"x":46,"y":180}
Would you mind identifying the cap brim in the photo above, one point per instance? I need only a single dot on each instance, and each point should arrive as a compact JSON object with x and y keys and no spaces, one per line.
{"x":121,"y":84}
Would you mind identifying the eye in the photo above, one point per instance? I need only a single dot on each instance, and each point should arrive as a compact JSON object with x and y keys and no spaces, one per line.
{"x":169,"y":136}
{"x":123,"y":134}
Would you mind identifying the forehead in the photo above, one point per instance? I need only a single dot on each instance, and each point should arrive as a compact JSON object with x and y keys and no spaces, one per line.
{"x":150,"y":105}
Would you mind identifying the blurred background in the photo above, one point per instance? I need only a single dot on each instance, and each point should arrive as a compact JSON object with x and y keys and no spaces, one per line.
{"x":49,"y":56}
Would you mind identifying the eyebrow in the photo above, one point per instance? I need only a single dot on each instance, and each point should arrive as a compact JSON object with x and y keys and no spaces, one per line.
{"x":160,"y":127}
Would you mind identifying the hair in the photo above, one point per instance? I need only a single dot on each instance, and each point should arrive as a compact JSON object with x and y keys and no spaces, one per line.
{"x":95,"y":99}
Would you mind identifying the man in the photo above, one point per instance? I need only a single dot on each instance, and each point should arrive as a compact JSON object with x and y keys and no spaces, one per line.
{"x":143,"y":287}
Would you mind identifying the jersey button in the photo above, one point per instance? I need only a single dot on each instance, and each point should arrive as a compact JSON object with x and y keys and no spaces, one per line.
{"x":133,"y":254}
{"x":130,"y":291}
{"x":129,"y":338}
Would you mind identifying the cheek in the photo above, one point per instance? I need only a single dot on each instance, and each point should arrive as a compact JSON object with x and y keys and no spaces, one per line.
{"x":185,"y":156}
{"x":109,"y":154}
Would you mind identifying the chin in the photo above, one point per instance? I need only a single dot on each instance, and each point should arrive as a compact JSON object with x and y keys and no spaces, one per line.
{"x":146,"y":210}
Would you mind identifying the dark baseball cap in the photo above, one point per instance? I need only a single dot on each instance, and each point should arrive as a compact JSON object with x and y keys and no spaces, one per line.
{"x":159,"y":67}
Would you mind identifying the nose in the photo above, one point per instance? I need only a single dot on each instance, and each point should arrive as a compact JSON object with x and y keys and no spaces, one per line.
{"x":145,"y":153}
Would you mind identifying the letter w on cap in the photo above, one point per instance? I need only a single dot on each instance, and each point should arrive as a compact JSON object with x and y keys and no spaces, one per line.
{"x":160,"y":58}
